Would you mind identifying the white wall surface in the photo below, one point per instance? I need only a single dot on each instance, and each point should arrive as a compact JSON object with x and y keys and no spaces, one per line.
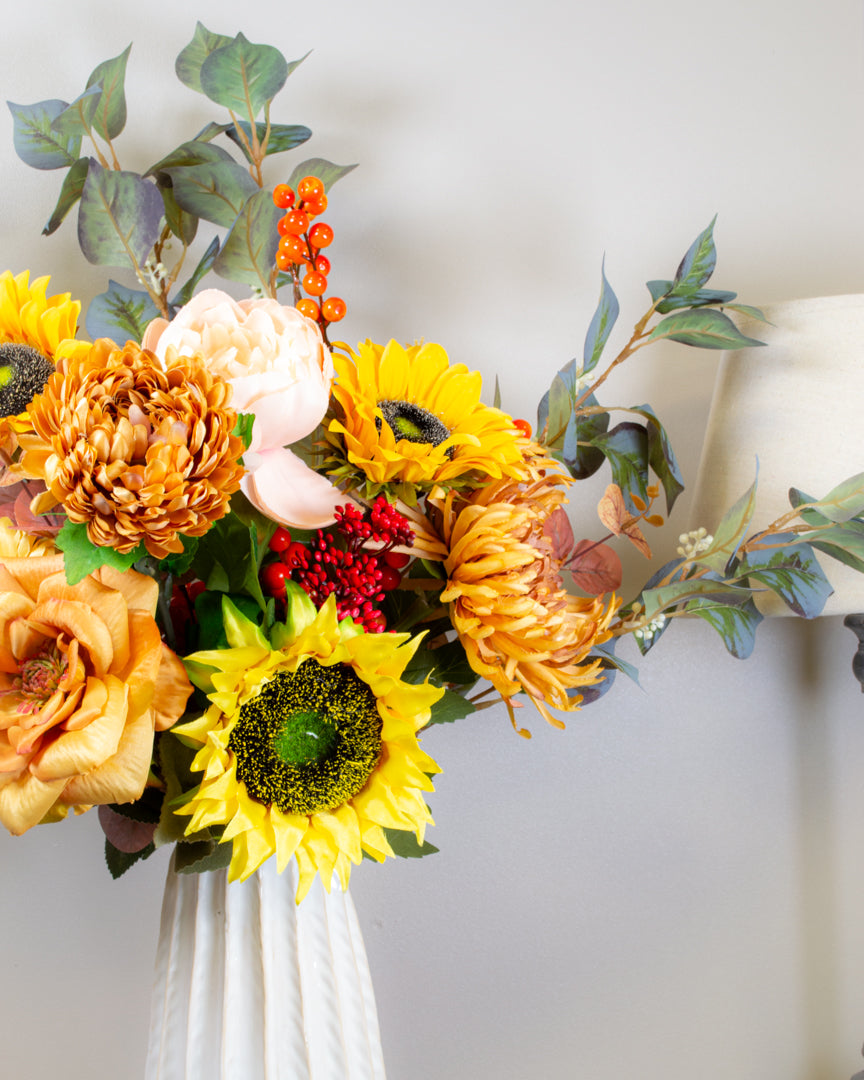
{"x":670,"y":888}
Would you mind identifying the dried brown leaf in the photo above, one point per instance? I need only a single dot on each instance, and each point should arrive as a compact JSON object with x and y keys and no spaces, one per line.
{"x":595,"y":567}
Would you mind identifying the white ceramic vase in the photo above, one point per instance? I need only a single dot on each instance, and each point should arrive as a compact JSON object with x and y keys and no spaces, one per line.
{"x":251,"y":986}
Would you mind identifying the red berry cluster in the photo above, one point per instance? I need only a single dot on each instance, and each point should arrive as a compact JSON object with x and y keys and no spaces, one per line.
{"x":332,"y":565}
{"x":300,"y":245}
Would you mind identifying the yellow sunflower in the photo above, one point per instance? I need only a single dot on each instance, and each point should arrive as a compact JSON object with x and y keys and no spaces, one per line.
{"x":32,"y":327}
{"x":407,"y":419}
{"x":309,"y":747}
{"x":520,"y":628}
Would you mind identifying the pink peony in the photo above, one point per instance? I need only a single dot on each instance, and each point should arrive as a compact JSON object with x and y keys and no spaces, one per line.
{"x":280,"y":370}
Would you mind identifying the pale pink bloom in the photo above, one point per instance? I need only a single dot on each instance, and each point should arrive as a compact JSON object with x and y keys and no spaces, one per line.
{"x":280,"y":370}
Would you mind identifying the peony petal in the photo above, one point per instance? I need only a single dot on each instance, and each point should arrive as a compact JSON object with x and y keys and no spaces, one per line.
{"x":287,"y":490}
{"x":284,"y":412}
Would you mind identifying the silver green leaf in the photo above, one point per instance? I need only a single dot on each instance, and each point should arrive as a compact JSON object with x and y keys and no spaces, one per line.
{"x":282,"y":137}
{"x":120,"y":314}
{"x":70,"y":193}
{"x":698,"y":264}
{"x":35,"y":140}
{"x":326,"y":171}
{"x":248,"y":254}
{"x":188,"y":64}
{"x":109,"y":119}
{"x":119,"y":216}
{"x":730,"y":532}
{"x":243,"y":77}
{"x":77,"y":118}
{"x":601,"y":324}
{"x":215,"y":191}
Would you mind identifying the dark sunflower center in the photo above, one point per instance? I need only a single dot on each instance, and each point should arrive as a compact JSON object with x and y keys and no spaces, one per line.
{"x":310,"y":739}
{"x":23,"y":374}
{"x":408,"y":421}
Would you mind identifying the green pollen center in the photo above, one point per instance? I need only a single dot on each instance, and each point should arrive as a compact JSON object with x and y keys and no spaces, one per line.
{"x":23,"y":374}
{"x":408,"y":421}
{"x":304,"y":737}
{"x":309,"y":740}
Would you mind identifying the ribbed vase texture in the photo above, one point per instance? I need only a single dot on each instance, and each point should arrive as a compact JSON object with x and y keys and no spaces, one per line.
{"x":251,"y":986}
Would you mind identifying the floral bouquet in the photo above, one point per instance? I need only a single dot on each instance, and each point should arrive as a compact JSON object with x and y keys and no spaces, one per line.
{"x":246,"y":567}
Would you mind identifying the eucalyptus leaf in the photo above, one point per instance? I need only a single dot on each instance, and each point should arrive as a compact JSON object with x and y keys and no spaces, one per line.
{"x":109,"y":119}
{"x":326,"y":171}
{"x":216,"y":191}
{"x":282,"y":137}
{"x":70,"y":193}
{"x":193,"y":152}
{"x":704,"y":328}
{"x":242,"y":76}
{"x":188,"y":64}
{"x":750,"y":312}
{"x":77,"y":117}
{"x":182,"y":223}
{"x":35,"y":140}
{"x":120,"y":313}
{"x":844,"y":501}
{"x":119,"y":216}
{"x":588,"y":459}
{"x":700,"y":298}
{"x":553,"y":413}
{"x":656,"y":601}
{"x":601,"y":324}
{"x":248,"y":254}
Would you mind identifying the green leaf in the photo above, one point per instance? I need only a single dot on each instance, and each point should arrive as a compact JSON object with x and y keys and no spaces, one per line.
{"x":587,"y":459}
{"x":496,"y":397}
{"x":698,"y":264}
{"x":249,"y":252}
{"x":198,"y":856}
{"x":175,"y":760}
{"x":187,"y":154}
{"x":326,"y":171}
{"x":181,"y":223}
{"x":188,"y":64}
{"x":844,"y":501}
{"x":35,"y":140}
{"x":242,"y":76}
{"x":405,"y":844}
{"x":626,"y":448}
{"x":70,"y":193}
{"x":118,"y":862}
{"x":790,"y":572}
{"x":243,"y":428}
{"x":734,"y":620}
{"x":119,"y":216}
{"x":601,"y":324}
{"x":445,"y":666}
{"x":82,"y":557}
{"x":656,"y":601}
{"x":661,"y":457}
{"x":110,"y":117}
{"x":730,"y":533}
{"x":282,"y":137}
{"x":553,"y":413}
{"x":77,"y":117}
{"x":121,"y":314}
{"x":700,"y":298}
{"x":145,"y":810}
{"x":214,"y":190}
{"x":750,"y":312}
{"x":450,"y":707}
{"x":704,"y":328}
{"x":201,"y":270}
{"x":179,"y":562}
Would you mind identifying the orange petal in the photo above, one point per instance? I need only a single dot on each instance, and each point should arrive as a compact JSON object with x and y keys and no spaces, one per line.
{"x":79,"y":621}
{"x":173,"y":690}
{"x":76,"y":752}
{"x":122,"y":777}
{"x":25,"y":801}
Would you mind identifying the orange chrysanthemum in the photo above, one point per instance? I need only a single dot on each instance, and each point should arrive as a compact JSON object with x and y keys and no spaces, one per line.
{"x":520,"y":628}
{"x":139,"y":451}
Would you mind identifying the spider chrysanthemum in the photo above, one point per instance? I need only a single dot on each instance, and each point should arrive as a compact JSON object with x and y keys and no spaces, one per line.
{"x":139,"y":451}
{"x":520,"y":628}
{"x":406,"y":419}
{"x":309,"y":748}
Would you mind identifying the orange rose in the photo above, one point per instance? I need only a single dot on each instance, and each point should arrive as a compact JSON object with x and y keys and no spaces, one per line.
{"x":85,"y":680}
